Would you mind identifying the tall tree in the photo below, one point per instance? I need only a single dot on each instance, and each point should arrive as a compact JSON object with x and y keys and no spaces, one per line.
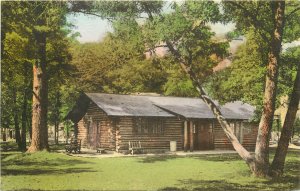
{"x":277,"y":166}
{"x":49,"y":18}
{"x":23,"y":23}
{"x":265,"y":125}
{"x":268,"y":20}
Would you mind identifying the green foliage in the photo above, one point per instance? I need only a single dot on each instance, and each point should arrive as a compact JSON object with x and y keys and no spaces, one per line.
{"x":186,"y":27}
{"x":16,"y":58}
{"x":22,"y":23}
{"x":292,"y":29}
{"x":245,"y":79}
{"x":288,"y":70}
{"x":256,"y":14}
{"x":179,"y":85}
{"x":259,"y":15}
{"x":127,"y":70}
{"x":113,"y":10}
{"x":116,"y":66}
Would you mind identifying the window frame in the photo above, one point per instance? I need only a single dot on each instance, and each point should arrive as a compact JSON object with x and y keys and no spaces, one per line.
{"x":151,"y":126}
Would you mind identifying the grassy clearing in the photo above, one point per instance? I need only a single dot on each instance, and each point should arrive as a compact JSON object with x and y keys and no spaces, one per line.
{"x":55,"y":171}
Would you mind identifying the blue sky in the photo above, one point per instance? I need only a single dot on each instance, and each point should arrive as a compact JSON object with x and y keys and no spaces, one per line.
{"x":93,"y":29}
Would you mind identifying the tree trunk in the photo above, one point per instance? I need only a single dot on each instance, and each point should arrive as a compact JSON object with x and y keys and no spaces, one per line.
{"x":29,"y":129}
{"x":265,"y":125}
{"x":17,"y":130}
{"x":25,"y":105}
{"x":56,"y":132}
{"x":286,"y":132}
{"x":16,"y":120}
{"x":40,"y":98}
{"x":24,"y":120}
{"x":56,"y":113}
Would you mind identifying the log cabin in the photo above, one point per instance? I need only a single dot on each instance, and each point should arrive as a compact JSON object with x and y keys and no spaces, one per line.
{"x":110,"y":121}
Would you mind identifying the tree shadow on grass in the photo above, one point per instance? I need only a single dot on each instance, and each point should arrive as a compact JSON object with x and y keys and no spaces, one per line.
{"x":26,"y":189}
{"x":222,"y":185}
{"x":45,"y":163}
{"x":217,"y":185}
{"x":36,"y":171}
{"x":291,"y":175}
{"x":53,"y":162}
{"x":172,"y":189}
{"x":19,"y":164}
{"x":215,"y":158}
{"x":159,"y":158}
{"x":219,"y":157}
{"x":5,"y":154}
{"x":8,"y":146}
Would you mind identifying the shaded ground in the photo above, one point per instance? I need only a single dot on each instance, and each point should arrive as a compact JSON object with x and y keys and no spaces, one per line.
{"x":56,"y":171}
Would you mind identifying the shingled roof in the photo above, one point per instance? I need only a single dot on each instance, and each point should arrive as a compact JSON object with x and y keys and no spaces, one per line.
{"x":127,"y":105}
{"x":165,"y":106}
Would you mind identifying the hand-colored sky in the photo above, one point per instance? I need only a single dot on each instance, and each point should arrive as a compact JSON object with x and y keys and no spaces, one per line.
{"x":91,"y":28}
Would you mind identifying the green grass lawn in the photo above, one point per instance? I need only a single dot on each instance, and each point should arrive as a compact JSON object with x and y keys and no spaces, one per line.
{"x":55,"y":171}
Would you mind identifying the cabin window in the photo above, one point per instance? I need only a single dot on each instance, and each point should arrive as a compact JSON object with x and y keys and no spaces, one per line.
{"x":148,"y":126}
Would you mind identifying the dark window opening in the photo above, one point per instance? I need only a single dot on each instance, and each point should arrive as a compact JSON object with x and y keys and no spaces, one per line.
{"x":148,"y":126}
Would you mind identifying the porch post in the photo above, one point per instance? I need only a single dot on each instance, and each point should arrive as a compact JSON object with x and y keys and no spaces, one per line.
{"x":191,"y":136}
{"x":185,"y":144}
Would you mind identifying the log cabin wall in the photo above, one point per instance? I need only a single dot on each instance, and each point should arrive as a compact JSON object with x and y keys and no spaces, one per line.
{"x":82,"y":133}
{"x":250,"y":131}
{"x":172,"y":131}
{"x":246,"y":135}
{"x":96,"y":129}
{"x":220,"y":139}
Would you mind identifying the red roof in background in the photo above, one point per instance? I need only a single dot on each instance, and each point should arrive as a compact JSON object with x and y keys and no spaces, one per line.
{"x":222,"y":65}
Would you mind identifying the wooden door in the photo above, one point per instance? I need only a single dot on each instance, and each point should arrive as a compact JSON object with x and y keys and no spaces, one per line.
{"x":92,"y":134}
{"x":204,"y":135}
